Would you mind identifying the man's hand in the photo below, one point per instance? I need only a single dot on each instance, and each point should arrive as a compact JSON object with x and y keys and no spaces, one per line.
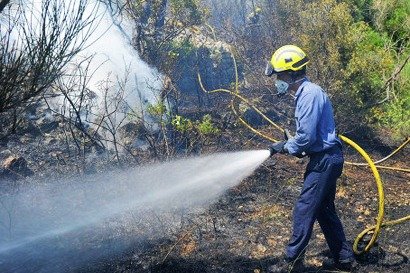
{"x":278,"y":147}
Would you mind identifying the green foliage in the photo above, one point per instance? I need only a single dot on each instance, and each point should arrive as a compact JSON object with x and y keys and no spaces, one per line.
{"x":361,"y":10}
{"x":368,"y":62}
{"x":392,"y":17}
{"x":321,"y":29}
{"x":187,"y":11}
{"x":182,"y":124}
{"x":354,"y":47}
{"x":395,"y":114}
{"x":398,"y":21}
{"x":137,"y":6}
{"x":181,"y":49}
{"x":157,"y":109}
{"x":206,"y":126}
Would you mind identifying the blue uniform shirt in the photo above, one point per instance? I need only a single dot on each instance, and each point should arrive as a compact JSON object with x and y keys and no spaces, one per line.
{"x":315,"y":125}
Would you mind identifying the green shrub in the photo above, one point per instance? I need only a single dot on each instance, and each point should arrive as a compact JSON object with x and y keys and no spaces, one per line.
{"x":367,"y":65}
{"x":206,"y":126}
{"x":182,"y":124}
{"x":187,"y":11}
{"x":157,"y":109}
{"x":395,"y":114}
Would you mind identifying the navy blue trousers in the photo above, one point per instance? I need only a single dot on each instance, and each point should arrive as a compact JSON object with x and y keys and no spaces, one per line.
{"x":316,"y":202}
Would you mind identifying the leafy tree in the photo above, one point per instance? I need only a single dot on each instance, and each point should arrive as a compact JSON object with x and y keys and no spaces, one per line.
{"x":361,"y":10}
{"x":354,"y":51}
{"x":368,"y":64}
{"x":393,"y":17}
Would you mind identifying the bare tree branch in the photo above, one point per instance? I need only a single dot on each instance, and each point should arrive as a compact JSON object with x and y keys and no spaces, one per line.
{"x":3,"y":4}
{"x":390,"y":81}
{"x":30,"y":63}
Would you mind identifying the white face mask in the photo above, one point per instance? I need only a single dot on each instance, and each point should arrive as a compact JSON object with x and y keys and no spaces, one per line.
{"x":281,"y":86}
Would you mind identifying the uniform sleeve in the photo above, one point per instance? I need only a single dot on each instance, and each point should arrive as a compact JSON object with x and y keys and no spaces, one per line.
{"x":308,"y":112}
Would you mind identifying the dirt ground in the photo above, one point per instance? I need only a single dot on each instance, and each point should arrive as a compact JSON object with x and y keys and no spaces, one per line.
{"x":248,"y":228}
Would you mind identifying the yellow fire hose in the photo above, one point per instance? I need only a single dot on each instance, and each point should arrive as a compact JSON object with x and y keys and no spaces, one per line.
{"x":373,"y":230}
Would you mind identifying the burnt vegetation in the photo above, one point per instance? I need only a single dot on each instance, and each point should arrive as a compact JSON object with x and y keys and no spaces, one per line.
{"x":359,"y":51}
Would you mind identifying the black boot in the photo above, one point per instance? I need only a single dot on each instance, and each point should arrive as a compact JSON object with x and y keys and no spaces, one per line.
{"x":287,"y":266}
{"x":343,"y":265}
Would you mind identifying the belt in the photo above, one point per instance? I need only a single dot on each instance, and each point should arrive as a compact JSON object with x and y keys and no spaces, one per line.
{"x":335,"y":148}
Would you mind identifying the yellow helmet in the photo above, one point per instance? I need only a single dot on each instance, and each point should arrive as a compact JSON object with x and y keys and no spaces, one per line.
{"x":288,"y":57}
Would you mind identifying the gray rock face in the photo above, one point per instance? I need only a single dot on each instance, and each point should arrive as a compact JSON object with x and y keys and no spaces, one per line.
{"x":216,"y":72}
{"x":199,"y":53}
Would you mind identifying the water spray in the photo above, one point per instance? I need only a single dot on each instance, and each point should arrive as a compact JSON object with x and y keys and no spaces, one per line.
{"x":57,"y":220}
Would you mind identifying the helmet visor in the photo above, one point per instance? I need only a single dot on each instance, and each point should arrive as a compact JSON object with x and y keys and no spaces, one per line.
{"x":269,"y":71}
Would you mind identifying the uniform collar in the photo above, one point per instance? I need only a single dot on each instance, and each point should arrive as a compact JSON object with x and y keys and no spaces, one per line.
{"x":301,"y":87}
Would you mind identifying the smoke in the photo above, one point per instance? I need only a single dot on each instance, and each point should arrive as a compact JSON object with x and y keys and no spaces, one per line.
{"x":62,"y":225}
{"x":115,"y":62}
{"x":111,"y":68}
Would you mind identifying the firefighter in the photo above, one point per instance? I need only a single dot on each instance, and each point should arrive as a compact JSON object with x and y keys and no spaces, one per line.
{"x":316,"y":138}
